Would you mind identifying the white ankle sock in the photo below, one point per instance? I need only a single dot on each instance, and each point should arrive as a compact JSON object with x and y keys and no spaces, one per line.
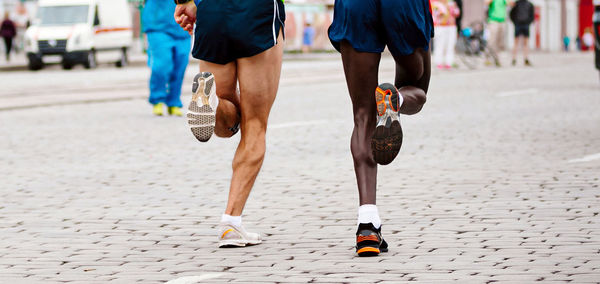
{"x":368,"y":213}
{"x":235,"y":220}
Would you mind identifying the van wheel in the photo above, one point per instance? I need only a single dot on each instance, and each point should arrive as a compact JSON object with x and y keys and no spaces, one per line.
{"x":90,"y":61}
{"x":123,"y":60}
{"x":35,"y":63}
{"x":67,"y":65}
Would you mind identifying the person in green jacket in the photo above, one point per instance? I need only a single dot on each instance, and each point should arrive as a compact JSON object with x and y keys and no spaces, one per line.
{"x":497,"y":12}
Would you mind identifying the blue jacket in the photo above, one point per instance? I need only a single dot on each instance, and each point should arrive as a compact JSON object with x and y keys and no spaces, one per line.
{"x":157,"y":16}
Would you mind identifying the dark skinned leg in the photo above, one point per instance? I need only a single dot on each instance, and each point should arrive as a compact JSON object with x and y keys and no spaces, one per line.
{"x":361,"y":69}
{"x":412,"y":79}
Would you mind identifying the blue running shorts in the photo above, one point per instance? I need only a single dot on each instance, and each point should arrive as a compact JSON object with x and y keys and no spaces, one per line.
{"x":370,"y":25}
{"x":228,"y":30}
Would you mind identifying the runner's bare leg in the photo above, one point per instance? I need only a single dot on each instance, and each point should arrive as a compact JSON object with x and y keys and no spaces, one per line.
{"x":229,"y":99}
{"x":259,"y":80}
{"x":361,"y":69}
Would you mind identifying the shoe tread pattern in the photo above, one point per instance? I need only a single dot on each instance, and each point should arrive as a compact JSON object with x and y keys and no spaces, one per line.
{"x":387,"y":138}
{"x":201,"y":117}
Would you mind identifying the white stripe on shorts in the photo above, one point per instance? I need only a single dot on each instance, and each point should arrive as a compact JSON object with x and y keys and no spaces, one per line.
{"x":274,"y":19}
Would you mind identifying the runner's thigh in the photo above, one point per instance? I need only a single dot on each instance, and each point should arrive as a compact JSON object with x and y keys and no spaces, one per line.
{"x":259,"y":80}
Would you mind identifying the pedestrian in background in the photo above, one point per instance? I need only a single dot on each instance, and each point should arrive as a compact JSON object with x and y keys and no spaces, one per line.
{"x":444,"y":19}
{"x":587,"y":39}
{"x":459,"y":4}
{"x":522,"y":15}
{"x":308,"y":36}
{"x":496,"y":24}
{"x":8,"y":31}
{"x":566,"y":43}
{"x":21,"y":20}
{"x":168,"y":55}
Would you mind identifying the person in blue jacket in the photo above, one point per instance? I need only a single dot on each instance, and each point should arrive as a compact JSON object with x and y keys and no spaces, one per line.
{"x":168,"y":55}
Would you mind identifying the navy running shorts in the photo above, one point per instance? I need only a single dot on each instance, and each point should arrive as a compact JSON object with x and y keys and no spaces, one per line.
{"x":370,"y":25}
{"x":522,"y":30}
{"x":228,"y":30}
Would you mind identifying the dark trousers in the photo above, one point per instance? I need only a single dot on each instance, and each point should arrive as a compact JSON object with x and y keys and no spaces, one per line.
{"x":8,"y":44}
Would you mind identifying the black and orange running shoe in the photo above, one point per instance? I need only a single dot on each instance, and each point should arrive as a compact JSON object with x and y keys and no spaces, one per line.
{"x":387,"y":139}
{"x":369,"y":241}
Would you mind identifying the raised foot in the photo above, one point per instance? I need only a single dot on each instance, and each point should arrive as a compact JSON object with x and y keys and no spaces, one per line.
{"x":202,"y":109}
{"x":387,"y":138}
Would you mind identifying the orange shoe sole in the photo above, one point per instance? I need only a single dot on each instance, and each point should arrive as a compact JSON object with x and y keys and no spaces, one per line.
{"x":368,"y":251}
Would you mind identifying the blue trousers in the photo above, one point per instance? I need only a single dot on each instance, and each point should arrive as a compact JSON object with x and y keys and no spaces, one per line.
{"x":168,"y":58}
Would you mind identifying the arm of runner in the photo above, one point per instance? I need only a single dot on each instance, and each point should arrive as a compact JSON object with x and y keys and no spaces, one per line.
{"x":185,"y":16}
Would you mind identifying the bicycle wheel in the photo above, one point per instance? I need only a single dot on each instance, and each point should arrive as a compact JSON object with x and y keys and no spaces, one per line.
{"x":468,"y":55}
{"x":490,"y":53}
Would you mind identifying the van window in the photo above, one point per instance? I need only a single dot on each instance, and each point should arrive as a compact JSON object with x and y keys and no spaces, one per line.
{"x":96,"y":18}
{"x":63,"y":15}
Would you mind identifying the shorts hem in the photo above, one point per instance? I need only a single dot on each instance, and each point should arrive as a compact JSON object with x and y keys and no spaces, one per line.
{"x":410,"y":50}
{"x":221,"y":61}
{"x":336,"y":45}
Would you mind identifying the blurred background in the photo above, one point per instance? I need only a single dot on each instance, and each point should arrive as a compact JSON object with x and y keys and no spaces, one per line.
{"x":559,"y":24}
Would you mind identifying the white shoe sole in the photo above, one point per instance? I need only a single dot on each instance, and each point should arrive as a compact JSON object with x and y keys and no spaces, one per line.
{"x":237,"y":243}
{"x":201,"y":116}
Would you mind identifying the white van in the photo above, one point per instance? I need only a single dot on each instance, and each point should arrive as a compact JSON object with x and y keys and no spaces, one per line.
{"x":80,"y":31}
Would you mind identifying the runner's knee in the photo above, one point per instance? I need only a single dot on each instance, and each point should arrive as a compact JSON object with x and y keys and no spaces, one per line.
{"x":414,"y":99}
{"x":421,"y":98}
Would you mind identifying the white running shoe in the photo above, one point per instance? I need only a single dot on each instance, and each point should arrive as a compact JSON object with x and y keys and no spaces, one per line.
{"x":234,"y":236}
{"x":203,"y":107}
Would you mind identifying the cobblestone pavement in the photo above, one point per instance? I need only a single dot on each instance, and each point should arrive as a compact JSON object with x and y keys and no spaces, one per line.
{"x":496,"y":182}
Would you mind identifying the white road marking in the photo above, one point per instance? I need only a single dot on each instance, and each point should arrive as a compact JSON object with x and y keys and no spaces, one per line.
{"x":194,"y":279}
{"x":587,"y":158}
{"x":518,"y":93}
{"x":304,"y":123}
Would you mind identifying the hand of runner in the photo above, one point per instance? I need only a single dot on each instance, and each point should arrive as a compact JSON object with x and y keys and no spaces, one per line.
{"x":185,"y":16}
